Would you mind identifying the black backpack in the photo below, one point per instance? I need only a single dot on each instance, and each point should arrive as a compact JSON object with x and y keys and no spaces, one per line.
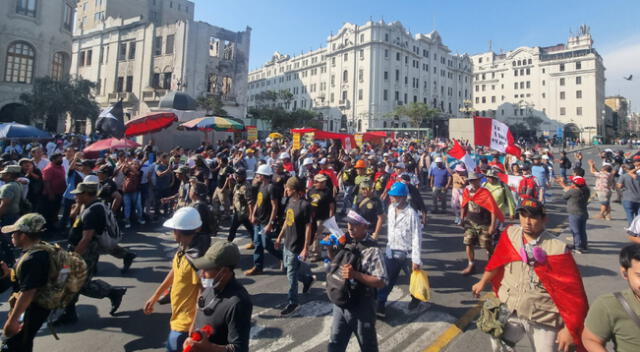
{"x":340,"y":291}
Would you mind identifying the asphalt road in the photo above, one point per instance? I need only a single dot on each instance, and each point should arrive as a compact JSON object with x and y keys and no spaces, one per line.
{"x":308,"y":329}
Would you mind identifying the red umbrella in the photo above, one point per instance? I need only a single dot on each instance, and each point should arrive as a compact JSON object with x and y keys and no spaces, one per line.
{"x":152,"y":122}
{"x":111,"y":143}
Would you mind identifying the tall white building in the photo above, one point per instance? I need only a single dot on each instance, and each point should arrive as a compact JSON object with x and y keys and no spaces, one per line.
{"x":35,"y":41}
{"x":140,"y":59}
{"x":364,"y":73}
{"x":562,"y":84}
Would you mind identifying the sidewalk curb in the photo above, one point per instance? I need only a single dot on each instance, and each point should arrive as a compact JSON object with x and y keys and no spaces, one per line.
{"x":458,"y":327}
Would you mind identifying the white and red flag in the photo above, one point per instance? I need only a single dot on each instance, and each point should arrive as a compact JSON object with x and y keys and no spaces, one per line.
{"x":461,"y":154}
{"x":495,"y":135}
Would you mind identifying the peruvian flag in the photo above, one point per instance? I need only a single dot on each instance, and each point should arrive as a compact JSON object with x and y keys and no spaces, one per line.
{"x":461,"y":154}
{"x":495,"y":135}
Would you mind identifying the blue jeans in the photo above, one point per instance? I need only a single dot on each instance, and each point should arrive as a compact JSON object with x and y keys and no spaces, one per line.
{"x":176,"y":340}
{"x":296,"y":271}
{"x":132,"y":200}
{"x":563,"y":173}
{"x":394,"y":266}
{"x":578,"y":226}
{"x":631,"y":208}
{"x":263,"y":241}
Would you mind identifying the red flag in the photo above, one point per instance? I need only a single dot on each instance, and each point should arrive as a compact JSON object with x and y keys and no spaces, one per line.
{"x":483,"y":198}
{"x":559,"y":276}
{"x":494,"y":134}
{"x":457,"y":151}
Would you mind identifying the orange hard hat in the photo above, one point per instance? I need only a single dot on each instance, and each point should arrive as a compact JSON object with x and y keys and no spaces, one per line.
{"x":360,"y":164}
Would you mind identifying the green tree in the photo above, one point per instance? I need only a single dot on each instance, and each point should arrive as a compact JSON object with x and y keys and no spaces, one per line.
{"x":519,"y":129}
{"x":283,"y":120}
{"x":417,"y":113}
{"x":533,"y":122}
{"x":52,"y":99}
{"x":212,"y":104}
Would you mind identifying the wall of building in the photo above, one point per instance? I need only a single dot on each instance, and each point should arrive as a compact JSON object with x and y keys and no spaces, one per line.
{"x":368,"y":56}
{"x":45,"y":32}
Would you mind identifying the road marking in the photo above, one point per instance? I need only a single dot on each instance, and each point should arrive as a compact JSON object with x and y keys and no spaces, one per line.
{"x":457,"y":328}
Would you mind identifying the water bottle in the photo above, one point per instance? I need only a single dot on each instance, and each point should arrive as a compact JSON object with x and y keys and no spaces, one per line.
{"x":327,"y":264}
{"x":302,"y":259}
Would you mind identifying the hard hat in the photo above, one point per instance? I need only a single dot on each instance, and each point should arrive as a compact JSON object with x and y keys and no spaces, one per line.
{"x":438,"y":160}
{"x":264,"y":170}
{"x":186,"y":218}
{"x":284,"y":155}
{"x":307,"y":161}
{"x":398,"y":189}
{"x":360,"y":164}
{"x":91,"y":178}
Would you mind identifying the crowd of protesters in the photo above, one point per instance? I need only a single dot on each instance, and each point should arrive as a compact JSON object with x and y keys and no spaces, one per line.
{"x":288,"y":200}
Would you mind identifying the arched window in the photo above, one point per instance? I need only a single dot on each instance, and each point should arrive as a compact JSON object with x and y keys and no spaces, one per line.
{"x":59,"y":65}
{"x":19,"y":67}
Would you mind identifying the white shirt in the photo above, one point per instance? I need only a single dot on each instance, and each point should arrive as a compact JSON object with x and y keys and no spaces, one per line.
{"x":42,"y":163}
{"x":404,"y":232}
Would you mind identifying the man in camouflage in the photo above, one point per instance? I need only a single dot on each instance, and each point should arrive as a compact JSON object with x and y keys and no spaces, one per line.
{"x":83,"y":239}
{"x":242,"y":204}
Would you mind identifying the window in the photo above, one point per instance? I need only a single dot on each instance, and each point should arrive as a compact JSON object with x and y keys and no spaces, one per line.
{"x":169,"y":45}
{"x":122,"y":52}
{"x":528,"y":71}
{"x":477,"y":88}
{"x":578,"y":94}
{"x":515,"y":72}
{"x":361,"y":75}
{"x":157,"y":46}
{"x":397,"y":75}
{"x":386,"y":53}
{"x":562,"y":95}
{"x":397,"y":56}
{"x":561,"y":67}
{"x":361,"y":54}
{"x":529,"y":61}
{"x":155,"y":82}
{"x":579,"y":111}
{"x":88,"y":57}
{"x":132,"y":50}
{"x":166,"y":80}
{"x":333,"y":80}
{"x":345,"y":76}
{"x":385,"y":95}
{"x":477,"y":100}
{"x":120,"y":84}
{"x":578,"y":65}
{"x":563,"y":111}
{"x":361,"y":38}
{"x":528,"y":84}
{"x":562,"y":81}
{"x":129,"y":87}
{"x":359,"y":94}
{"x":386,"y":37}
{"x":493,"y":99}
{"x":58,"y":66}
{"x":484,"y":100}
{"x":578,"y":80}
{"x":27,"y":7}
{"x":386,"y":75}
{"x":68,"y":17}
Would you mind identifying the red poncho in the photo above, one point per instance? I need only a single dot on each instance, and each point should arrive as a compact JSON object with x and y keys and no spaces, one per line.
{"x":559,"y":276}
{"x":483,"y":198}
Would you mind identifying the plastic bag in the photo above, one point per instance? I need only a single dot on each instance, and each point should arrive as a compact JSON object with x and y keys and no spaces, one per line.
{"x":419,"y":285}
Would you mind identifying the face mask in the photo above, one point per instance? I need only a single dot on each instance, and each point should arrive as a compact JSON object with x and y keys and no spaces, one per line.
{"x":211,"y":282}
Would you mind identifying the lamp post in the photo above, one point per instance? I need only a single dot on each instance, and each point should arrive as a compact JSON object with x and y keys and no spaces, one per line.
{"x":467,"y":108}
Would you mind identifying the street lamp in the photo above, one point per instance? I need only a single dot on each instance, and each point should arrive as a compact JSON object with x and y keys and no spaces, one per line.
{"x":467,"y":107}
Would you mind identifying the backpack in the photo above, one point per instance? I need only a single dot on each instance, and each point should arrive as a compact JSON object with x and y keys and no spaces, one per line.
{"x":67,"y":276}
{"x":340,"y":291}
{"x":111,"y":235}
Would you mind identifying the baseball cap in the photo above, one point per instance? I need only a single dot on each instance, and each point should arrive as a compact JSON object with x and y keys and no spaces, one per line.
{"x":320,"y":177}
{"x":473,"y":176}
{"x":356,"y":219}
{"x":219,"y":255}
{"x":438,"y":159}
{"x":85,"y":187}
{"x":532,"y":207}
{"x":29,"y":223}
{"x":12,"y":169}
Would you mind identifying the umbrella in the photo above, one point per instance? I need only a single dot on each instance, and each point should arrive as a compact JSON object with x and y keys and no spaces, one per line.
{"x":149,"y":123}
{"x":216,"y":123}
{"x":275,"y":135}
{"x":15,"y":130}
{"x":111,"y":143}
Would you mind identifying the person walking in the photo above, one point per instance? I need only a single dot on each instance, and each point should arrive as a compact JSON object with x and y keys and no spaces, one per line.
{"x":577,"y":195}
{"x":242,"y":205}
{"x":458,"y":181}
{"x":53,"y":176}
{"x":440,"y":181}
{"x":629,"y":183}
{"x":603,"y":187}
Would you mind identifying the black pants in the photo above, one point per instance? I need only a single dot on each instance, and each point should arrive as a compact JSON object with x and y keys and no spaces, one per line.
{"x":34,"y":317}
{"x":359,"y":319}
{"x":50,"y":209}
{"x":236,"y":221}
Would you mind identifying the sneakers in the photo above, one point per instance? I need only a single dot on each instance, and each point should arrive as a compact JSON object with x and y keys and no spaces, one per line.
{"x":470,"y":269}
{"x":116,"y":299}
{"x":127,"y":225}
{"x":253,"y":271}
{"x":307,"y":284}
{"x":457,"y":221}
{"x":381,"y":312}
{"x":290,"y":308}
{"x":249,"y":246}
{"x":127,"y":260}
{"x":413,"y":304}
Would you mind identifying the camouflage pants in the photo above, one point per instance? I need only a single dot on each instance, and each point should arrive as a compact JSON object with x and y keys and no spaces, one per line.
{"x":94,"y":288}
{"x":475,"y":234}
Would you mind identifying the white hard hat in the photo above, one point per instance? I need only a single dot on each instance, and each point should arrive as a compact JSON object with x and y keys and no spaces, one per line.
{"x":264,"y":170}
{"x":284,"y":155}
{"x":307,"y":161}
{"x":322,"y":161}
{"x":545,"y":157}
{"x":91,"y":178}
{"x":438,"y":160}
{"x":186,"y":218}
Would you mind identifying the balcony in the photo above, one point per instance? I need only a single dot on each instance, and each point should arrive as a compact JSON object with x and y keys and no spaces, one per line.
{"x":127,"y":97}
{"x":153,"y":95}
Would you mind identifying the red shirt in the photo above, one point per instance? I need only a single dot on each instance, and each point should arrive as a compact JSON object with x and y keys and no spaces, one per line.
{"x":332,"y":175}
{"x":392,"y":179}
{"x":54,"y":179}
{"x":528,"y":188}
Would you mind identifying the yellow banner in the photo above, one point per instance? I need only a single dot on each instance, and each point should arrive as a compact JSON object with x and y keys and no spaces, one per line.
{"x":358,"y":139}
{"x":309,"y":137}
{"x":252,"y":133}
{"x":296,"y":141}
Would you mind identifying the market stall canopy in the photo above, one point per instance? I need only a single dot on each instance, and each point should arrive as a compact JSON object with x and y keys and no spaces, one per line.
{"x":152,"y":122}
{"x":111,"y":143}
{"x":178,"y":101}
{"x":319,"y":134}
{"x":215,"y":123}
{"x":373,"y":136}
{"x":14,"y":130}
{"x":275,"y":135}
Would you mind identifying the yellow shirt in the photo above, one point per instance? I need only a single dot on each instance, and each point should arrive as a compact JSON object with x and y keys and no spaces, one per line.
{"x":184,"y":293}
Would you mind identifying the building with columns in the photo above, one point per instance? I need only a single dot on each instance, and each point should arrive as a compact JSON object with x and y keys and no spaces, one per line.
{"x":141,"y":58}
{"x":366,"y":71}
{"x":35,"y":41}
{"x":561,"y":84}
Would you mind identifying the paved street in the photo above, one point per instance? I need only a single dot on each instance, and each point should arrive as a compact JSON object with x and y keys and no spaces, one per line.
{"x":308,"y":329}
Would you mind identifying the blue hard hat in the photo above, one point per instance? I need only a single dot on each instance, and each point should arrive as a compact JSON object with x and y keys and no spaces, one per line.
{"x":398,"y":189}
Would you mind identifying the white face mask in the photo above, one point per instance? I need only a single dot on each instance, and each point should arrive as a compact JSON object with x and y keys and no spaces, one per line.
{"x":211,"y":282}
